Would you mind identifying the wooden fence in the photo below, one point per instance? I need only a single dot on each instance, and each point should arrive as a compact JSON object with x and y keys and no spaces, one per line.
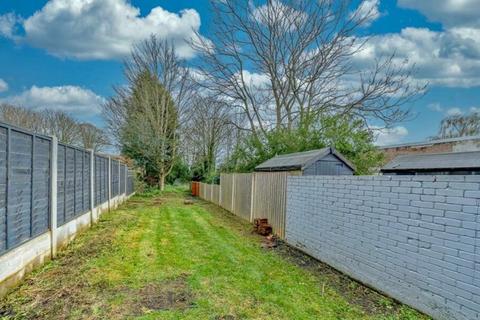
{"x":251,"y":196}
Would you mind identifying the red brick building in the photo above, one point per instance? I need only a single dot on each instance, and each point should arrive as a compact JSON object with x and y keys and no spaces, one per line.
{"x":462,"y":144}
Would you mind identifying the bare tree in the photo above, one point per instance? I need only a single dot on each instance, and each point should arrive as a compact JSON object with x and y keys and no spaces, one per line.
{"x":55,"y":123}
{"x":61,"y":125}
{"x":207,"y":131}
{"x":158,"y":57}
{"x":148,"y":111}
{"x":23,"y":118}
{"x":284,"y":63}
{"x":92,"y":137}
{"x":459,"y":126}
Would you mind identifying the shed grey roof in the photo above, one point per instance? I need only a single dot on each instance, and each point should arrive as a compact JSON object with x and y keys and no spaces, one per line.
{"x":451,"y":160}
{"x":299,"y":160}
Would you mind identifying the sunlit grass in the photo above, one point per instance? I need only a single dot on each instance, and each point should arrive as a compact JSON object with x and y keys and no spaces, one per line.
{"x":157,"y":258}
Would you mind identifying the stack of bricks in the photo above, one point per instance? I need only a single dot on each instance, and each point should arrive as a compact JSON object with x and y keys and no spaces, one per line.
{"x":416,"y":238}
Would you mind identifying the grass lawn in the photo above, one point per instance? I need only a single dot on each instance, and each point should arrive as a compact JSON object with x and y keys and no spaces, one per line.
{"x":157,"y":258}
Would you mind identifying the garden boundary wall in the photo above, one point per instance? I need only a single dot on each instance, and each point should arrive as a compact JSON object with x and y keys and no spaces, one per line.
{"x":415,"y":238}
{"x":50,"y":191}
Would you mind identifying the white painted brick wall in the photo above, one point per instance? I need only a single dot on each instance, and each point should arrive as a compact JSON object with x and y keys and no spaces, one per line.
{"x":416,"y":238}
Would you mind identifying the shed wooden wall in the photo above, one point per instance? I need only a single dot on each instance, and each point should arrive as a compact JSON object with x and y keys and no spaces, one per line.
{"x":328,"y":166}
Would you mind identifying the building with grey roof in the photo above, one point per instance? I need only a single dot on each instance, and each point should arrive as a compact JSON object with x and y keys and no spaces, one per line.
{"x":326,"y":161}
{"x":451,"y":163}
{"x":459,"y":144}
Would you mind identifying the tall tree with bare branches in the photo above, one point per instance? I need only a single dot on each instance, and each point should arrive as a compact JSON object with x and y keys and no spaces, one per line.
{"x":207,"y":133}
{"x":93,"y":137}
{"x":144,"y":116}
{"x":285,"y":63}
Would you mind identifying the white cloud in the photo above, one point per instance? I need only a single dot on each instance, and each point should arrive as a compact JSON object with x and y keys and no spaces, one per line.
{"x":475,"y":109}
{"x":283,"y":15}
{"x":73,"y":100}
{"x":435,"y":107}
{"x":448,"y":12}
{"x":3,"y":85}
{"x":448,"y":58}
{"x":255,"y":79}
{"x":103,"y":29}
{"x":7,"y":24}
{"x":368,"y":11}
{"x":387,"y":136}
{"x":454,"y":112}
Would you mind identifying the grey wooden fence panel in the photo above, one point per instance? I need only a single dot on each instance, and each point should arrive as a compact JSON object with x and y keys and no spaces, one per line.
{"x":130,"y":182}
{"x":69,"y":184}
{"x":19,"y":188}
{"x":98,"y":180}
{"x":3,"y":189}
{"x":24,"y":186}
{"x":115,"y":178}
{"x":25,"y":173}
{"x":73,"y":183}
{"x":60,"y":185}
{"x":101,"y":180}
{"x":78,"y":165}
{"x":41,"y":186}
{"x":86,"y":181}
{"x":122,"y":179}
{"x":105,"y":180}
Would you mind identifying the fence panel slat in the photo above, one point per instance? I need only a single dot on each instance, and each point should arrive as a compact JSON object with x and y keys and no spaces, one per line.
{"x":243,"y":193}
{"x":270,"y":199}
{"x":226,"y":185}
{"x":3,"y":188}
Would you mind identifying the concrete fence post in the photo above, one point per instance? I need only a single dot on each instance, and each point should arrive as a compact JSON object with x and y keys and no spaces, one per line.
{"x":53,"y":195}
{"x":92,"y":187}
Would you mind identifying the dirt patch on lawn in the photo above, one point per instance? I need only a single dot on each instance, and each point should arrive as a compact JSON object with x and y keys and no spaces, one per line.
{"x":166,"y":295}
{"x":158,"y":201}
{"x":369,"y":300}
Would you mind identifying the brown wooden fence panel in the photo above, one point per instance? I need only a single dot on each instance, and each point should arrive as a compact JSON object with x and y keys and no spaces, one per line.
{"x":270,"y":194}
{"x":243,"y":195}
{"x":216,"y":194}
{"x":226,"y":193}
{"x":210,"y":192}
{"x":202,"y":190}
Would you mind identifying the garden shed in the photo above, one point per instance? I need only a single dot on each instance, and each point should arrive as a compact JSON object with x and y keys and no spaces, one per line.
{"x":452,"y":163}
{"x":326,"y":161}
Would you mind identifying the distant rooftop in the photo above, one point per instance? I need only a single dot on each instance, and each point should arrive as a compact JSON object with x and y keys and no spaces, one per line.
{"x":299,"y":160}
{"x":452,"y":160}
{"x":430,"y":142}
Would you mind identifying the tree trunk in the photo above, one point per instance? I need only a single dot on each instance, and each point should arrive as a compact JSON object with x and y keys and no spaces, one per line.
{"x":161,"y":181}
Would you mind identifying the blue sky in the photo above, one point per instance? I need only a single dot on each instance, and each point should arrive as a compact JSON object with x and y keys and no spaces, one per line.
{"x":67,"y":54}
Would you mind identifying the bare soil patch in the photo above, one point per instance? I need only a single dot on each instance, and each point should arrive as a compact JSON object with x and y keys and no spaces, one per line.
{"x":166,"y":295}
